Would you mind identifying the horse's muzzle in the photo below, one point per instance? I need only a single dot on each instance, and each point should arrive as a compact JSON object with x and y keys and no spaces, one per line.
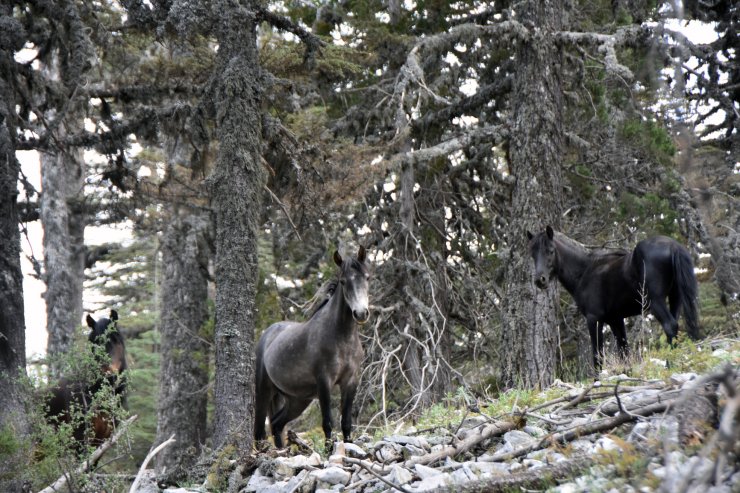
{"x":361,"y":316}
{"x":541,"y":282}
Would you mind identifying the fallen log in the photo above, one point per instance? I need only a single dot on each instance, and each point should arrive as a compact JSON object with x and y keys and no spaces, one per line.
{"x":576,"y":432}
{"x":536,"y":479}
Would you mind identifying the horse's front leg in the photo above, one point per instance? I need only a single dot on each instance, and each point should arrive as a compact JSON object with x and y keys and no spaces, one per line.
{"x":621,"y":335}
{"x":324,"y":388}
{"x":348,"y":397}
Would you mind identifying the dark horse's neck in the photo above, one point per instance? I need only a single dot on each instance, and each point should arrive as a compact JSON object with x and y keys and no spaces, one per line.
{"x":573,"y":260}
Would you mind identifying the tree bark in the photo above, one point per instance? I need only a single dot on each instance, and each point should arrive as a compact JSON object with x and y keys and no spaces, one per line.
{"x":183,"y":380}
{"x":236,"y":193}
{"x":535,"y":157}
{"x":63,"y":221}
{"x":13,"y":413}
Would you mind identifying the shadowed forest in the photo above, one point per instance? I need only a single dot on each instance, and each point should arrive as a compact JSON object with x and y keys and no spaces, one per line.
{"x":256,"y":151}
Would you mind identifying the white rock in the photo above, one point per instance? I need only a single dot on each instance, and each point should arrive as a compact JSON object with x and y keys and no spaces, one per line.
{"x":488,"y":468}
{"x":566,"y":488}
{"x":258,"y":482}
{"x":332,"y":475}
{"x":355,"y":451}
{"x":607,"y":444}
{"x":535,"y":431}
{"x":517,"y":439}
{"x":425,"y":472}
{"x":302,"y":483}
{"x":399,"y":475}
{"x":462,"y":475}
{"x":288,"y":466}
{"x":533,"y":463}
{"x":682,"y":378}
{"x":432,"y":483}
{"x":419,"y":442}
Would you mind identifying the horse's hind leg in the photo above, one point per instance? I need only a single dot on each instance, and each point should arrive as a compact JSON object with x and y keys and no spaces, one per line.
{"x":264,"y":392}
{"x":291,"y":410}
{"x":659,"y":308}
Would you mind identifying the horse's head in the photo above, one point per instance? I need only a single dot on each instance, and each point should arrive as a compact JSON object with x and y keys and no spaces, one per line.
{"x":102,"y":334}
{"x":354,"y":278}
{"x":542,"y":248}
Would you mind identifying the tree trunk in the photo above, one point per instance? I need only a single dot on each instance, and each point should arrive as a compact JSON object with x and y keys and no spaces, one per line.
{"x":63,"y":221}
{"x":236,"y":192}
{"x":535,"y":153}
{"x":13,"y":413}
{"x":183,"y":380}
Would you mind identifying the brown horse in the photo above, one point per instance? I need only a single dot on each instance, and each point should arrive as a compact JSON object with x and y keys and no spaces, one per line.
{"x":70,"y":397}
{"x":611,"y":285}
{"x":298,"y":362}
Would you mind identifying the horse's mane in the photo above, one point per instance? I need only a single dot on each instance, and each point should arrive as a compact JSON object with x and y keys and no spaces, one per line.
{"x":321,"y":298}
{"x":590,"y":251}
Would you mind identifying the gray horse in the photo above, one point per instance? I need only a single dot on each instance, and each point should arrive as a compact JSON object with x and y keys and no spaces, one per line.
{"x":298,"y":362}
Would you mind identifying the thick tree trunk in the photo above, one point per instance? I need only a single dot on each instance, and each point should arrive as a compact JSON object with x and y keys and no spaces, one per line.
{"x":236,"y":192}
{"x":63,"y":221}
{"x":13,"y":414}
{"x":183,"y":380}
{"x":535,"y":155}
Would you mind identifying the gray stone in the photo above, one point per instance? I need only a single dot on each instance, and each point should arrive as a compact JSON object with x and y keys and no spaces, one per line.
{"x":533,"y":463}
{"x":355,"y":451}
{"x":399,"y":475}
{"x":517,"y":439}
{"x":332,"y":475}
{"x":258,"y":482}
{"x":288,"y":466}
{"x":410,"y":451}
{"x":419,"y":442}
{"x":488,"y":468}
{"x":607,"y":444}
{"x":425,"y":472}
{"x":462,"y":475}
{"x":683,"y":378}
{"x":432,"y":483}
{"x":302,"y":483}
{"x":535,"y":431}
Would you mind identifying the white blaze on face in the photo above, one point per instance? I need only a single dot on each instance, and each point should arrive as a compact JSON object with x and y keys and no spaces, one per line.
{"x":357,"y":296}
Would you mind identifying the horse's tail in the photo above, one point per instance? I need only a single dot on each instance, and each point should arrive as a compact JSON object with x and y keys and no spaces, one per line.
{"x":685,"y":279}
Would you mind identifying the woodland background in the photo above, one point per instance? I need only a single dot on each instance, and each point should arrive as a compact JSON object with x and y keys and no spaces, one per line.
{"x":246,"y":140}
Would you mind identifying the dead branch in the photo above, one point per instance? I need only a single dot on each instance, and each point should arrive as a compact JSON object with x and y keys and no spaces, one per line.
{"x":488,"y":431}
{"x":60,"y":483}
{"x":148,"y":458}
{"x":369,"y":469}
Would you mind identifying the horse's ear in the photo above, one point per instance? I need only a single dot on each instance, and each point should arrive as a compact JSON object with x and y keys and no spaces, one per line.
{"x":113,"y":315}
{"x":337,"y":258}
{"x":361,"y":254}
{"x":529,"y":235}
{"x":550,"y":232}
{"x":90,"y":321}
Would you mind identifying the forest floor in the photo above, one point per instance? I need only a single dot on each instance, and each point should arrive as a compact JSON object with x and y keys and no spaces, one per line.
{"x":666,"y":422}
{"x":670,"y":430}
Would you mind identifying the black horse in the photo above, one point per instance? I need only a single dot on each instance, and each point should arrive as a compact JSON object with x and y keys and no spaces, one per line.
{"x":71,"y":397}
{"x":297,"y":362}
{"x":611,"y":285}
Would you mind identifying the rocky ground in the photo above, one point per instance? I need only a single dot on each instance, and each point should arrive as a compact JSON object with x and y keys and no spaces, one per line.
{"x":618,"y":434}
